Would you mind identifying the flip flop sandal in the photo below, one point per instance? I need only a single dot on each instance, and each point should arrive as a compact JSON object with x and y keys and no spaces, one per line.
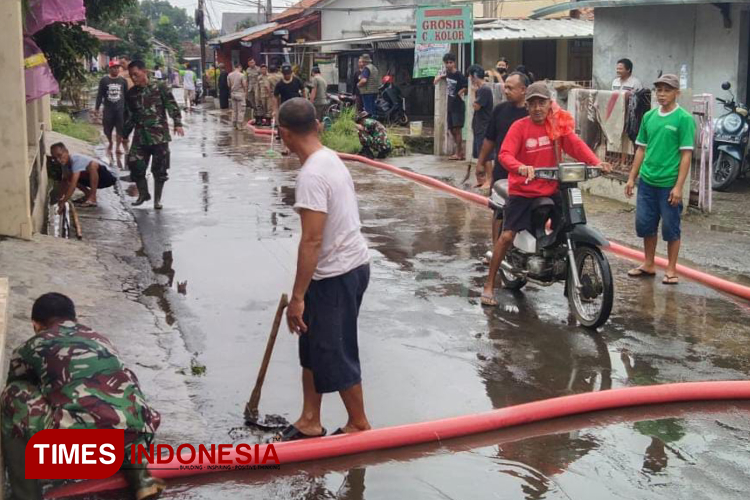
{"x":488,"y":301}
{"x":291,"y":433}
{"x":670,"y":280}
{"x":88,"y":204}
{"x":640,"y":273}
{"x":338,"y":432}
{"x":454,"y":158}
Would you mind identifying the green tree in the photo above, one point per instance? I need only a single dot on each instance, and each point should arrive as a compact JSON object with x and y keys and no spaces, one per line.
{"x":134,"y":28}
{"x":245,"y":23}
{"x":67,"y":45}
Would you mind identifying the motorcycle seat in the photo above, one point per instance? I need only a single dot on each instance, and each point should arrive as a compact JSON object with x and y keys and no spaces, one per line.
{"x":501,"y":188}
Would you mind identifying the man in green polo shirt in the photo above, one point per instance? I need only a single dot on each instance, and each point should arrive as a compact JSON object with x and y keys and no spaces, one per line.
{"x":665,"y":148}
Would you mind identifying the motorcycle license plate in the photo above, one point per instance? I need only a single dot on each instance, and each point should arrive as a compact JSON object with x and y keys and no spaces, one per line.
{"x":576,"y":197}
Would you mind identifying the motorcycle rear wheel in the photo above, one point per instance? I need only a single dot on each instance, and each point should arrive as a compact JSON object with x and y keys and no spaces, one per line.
{"x":592,"y":304}
{"x":403,"y":120}
{"x":725,"y":170}
{"x":511,"y":281}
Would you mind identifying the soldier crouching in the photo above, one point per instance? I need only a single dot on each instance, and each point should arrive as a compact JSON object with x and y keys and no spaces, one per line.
{"x":69,"y":377}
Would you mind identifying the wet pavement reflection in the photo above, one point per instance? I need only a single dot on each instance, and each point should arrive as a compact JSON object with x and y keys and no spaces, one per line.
{"x":429,"y":350}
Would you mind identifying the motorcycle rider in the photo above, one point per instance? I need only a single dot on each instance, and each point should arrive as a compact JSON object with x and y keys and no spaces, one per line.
{"x":530,"y":143}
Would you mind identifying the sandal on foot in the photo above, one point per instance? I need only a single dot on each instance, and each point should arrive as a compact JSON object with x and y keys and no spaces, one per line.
{"x":291,"y":433}
{"x":640,"y":273}
{"x":453,"y":158}
{"x":488,"y":300}
{"x":670,"y":280}
{"x":88,"y":204}
{"x":338,"y":432}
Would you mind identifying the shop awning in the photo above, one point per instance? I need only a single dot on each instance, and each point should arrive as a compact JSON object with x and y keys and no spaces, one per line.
{"x":100,"y":35}
{"x":534,"y":29}
{"x":382,"y":37}
{"x":290,"y":26}
{"x":596,"y":4}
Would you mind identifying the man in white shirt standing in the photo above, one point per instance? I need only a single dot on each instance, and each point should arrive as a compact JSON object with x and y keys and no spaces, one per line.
{"x":625,"y":79}
{"x":333,"y":271}
{"x":188,"y":87}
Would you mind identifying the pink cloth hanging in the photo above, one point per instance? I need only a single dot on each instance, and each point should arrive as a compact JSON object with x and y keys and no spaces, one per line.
{"x":37,"y":73}
{"x":44,"y":12}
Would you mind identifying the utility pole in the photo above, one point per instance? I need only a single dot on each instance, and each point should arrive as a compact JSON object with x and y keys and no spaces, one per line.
{"x":199,"y":18}
{"x":269,"y":10}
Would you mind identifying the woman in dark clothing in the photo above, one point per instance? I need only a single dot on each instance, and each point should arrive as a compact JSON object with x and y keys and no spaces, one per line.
{"x":223,"y":87}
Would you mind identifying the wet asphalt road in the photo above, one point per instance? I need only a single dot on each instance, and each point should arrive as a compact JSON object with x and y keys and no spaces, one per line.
{"x":228,"y":236}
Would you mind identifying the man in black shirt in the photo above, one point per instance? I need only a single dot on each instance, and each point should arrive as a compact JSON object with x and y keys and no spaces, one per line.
{"x":503,"y":116}
{"x":289,"y":86}
{"x":482,"y":109}
{"x":111,"y":93}
{"x":457,"y":85}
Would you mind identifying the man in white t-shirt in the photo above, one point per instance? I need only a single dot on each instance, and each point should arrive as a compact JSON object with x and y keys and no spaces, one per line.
{"x":625,"y":79}
{"x":83,"y":172}
{"x":333,"y":271}
{"x":188,"y":87}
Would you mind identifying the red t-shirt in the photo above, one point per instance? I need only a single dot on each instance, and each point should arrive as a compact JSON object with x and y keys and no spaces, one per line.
{"x":529,"y":144}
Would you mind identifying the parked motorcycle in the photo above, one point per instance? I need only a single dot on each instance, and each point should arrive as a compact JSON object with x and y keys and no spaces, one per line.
{"x":544,"y":256}
{"x":390,"y":106}
{"x":339,"y":102}
{"x":731,"y":132}
{"x":198,"y":91}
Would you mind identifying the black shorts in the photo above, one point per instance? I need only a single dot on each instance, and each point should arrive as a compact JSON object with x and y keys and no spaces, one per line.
{"x":329,"y":348}
{"x":113,"y":119}
{"x":517,"y":214}
{"x":456,"y":114}
{"x":106,"y":178}
{"x":498,"y":172}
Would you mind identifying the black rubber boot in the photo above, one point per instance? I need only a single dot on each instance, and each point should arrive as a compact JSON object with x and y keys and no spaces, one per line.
{"x":14,"y":450}
{"x":158,"y":190}
{"x":142,"y":483}
{"x":143,"y":195}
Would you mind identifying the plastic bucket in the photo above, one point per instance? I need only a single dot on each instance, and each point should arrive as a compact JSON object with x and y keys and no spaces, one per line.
{"x":415,"y":128}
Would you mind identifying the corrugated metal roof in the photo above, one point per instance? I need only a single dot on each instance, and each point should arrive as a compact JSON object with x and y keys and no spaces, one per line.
{"x":594,"y":4}
{"x":100,"y":35}
{"x":242,"y":34}
{"x":397,"y":45}
{"x":383,"y":37}
{"x":534,"y":29}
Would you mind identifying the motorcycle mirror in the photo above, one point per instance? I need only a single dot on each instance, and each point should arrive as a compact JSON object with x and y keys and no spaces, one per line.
{"x":726,"y":85}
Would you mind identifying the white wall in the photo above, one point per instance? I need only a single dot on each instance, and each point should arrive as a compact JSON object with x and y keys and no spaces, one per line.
{"x":665,"y":37}
{"x":342,"y":24}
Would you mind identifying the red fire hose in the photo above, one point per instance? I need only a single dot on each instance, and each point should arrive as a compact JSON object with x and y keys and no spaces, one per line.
{"x":436,"y":430}
{"x":621,"y":250}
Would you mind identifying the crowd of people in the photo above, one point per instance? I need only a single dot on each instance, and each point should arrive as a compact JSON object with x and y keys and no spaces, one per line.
{"x":517,"y":132}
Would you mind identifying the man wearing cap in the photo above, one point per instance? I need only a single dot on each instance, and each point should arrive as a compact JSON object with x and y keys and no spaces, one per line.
{"x":111,"y":93}
{"x":369,"y":83}
{"x":289,"y":86}
{"x":526,"y":146}
{"x":665,"y":148}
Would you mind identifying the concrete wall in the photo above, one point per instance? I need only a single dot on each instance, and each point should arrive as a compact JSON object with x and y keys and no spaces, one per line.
{"x":663,"y":38}
{"x":342,"y":24}
{"x":15,"y":216}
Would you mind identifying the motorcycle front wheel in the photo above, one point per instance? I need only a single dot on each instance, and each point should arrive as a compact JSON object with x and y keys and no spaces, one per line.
{"x":726,"y":168}
{"x":592,"y":304}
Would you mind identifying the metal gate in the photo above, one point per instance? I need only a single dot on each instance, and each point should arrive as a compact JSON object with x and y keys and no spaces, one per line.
{"x":702,"y":167}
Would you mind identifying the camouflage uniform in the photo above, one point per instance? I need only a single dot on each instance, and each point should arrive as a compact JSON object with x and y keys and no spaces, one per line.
{"x":69,"y":377}
{"x":374,"y":138}
{"x":253,"y":75}
{"x":263,"y":98}
{"x":148,"y":108}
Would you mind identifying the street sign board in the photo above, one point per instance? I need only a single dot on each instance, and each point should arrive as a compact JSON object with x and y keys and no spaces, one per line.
{"x":445,"y":24}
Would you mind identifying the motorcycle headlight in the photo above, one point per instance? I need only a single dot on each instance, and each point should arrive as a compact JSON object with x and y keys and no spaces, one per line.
{"x":572,"y":173}
{"x":732,"y":123}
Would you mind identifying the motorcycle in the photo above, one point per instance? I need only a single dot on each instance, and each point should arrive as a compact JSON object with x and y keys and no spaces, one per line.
{"x":198,"y":91}
{"x":390,"y":106}
{"x":731,"y":132}
{"x":339,"y":102}
{"x":570,"y":251}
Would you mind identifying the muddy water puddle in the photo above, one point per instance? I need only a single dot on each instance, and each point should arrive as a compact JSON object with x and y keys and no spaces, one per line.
{"x":429,"y":350}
